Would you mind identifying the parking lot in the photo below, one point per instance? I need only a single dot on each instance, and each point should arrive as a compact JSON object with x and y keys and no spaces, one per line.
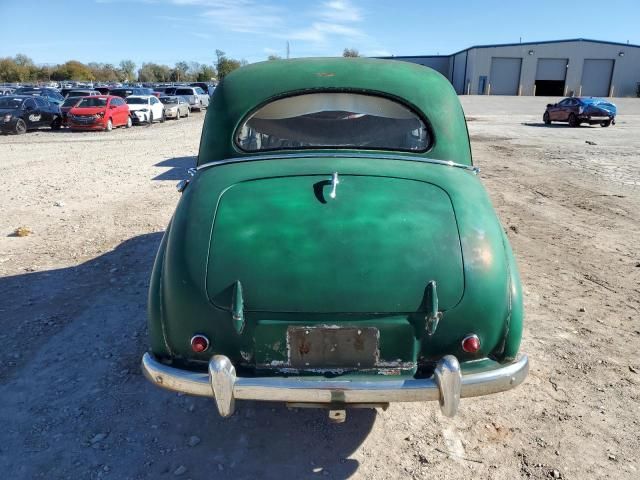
{"x":73,"y":325}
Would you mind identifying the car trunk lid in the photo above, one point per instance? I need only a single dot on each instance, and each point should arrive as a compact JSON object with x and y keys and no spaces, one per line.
{"x":371,"y":249}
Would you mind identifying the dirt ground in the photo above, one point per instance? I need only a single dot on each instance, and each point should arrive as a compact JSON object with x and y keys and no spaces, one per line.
{"x":73,"y":403}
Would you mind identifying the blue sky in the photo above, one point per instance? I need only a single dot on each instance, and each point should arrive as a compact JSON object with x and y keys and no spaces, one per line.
{"x":167,"y":31}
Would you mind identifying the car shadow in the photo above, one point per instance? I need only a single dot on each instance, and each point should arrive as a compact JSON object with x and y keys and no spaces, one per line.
{"x":72,"y":339}
{"x":553,"y":125}
{"x":178,"y":168}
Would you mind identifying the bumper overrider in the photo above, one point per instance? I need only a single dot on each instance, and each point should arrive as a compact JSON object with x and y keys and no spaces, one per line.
{"x":447,"y":385}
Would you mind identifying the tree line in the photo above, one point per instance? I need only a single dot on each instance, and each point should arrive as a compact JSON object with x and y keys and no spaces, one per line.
{"x":22,"y":69}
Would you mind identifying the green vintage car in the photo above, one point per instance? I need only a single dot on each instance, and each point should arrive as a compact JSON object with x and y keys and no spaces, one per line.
{"x":335,"y":248}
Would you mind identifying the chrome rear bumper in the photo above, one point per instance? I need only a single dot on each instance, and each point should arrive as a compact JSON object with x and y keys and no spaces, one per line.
{"x":447,"y":385}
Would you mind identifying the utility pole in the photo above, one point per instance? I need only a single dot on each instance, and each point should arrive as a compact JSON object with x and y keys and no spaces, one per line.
{"x":288,"y":51}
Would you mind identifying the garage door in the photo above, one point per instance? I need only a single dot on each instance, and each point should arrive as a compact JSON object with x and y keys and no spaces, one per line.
{"x":596,"y":77}
{"x":551,"y":69}
{"x":550,"y":75}
{"x":505,"y":76}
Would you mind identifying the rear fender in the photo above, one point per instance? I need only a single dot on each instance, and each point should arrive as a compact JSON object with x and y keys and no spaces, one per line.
{"x":513,"y":325}
{"x":159,"y":345}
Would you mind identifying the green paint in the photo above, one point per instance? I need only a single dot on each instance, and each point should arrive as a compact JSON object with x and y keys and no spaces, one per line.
{"x":297,"y":250}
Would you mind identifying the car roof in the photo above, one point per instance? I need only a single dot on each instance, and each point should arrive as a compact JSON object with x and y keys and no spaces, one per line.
{"x":418,"y":87}
{"x":146,"y":97}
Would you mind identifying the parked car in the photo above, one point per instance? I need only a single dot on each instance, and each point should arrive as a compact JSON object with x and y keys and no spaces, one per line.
{"x":103,"y":90}
{"x":49,"y":93}
{"x":7,"y":91}
{"x":82,"y":93}
{"x":175,"y":107}
{"x":124,"y":92}
{"x":578,"y":110}
{"x":206,"y":87}
{"x":100,"y":112}
{"x":67,"y":105}
{"x":145,"y":109}
{"x":335,"y":246}
{"x":196,"y":97}
{"x":20,"y":113}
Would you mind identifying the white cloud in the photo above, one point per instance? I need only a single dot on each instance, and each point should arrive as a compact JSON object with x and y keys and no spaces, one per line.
{"x":320,"y":27}
{"x":204,"y":36}
{"x":321,"y":32}
{"x":340,"y":11}
{"x":244,"y":16}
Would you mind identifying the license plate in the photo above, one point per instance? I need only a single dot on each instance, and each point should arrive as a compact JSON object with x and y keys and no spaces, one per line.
{"x":333,"y":347}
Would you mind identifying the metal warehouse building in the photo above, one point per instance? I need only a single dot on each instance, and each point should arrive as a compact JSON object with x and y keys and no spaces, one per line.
{"x":579,"y":67}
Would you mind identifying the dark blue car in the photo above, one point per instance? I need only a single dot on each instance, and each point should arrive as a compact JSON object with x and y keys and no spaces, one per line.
{"x":577,"y":110}
{"x":19,"y":113}
{"x":51,"y":94}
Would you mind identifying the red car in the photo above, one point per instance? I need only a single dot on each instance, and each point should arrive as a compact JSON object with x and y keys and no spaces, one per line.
{"x":100,"y":112}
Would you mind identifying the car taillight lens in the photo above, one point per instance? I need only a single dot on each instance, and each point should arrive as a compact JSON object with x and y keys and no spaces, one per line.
{"x":471,"y":343}
{"x":199,"y":343}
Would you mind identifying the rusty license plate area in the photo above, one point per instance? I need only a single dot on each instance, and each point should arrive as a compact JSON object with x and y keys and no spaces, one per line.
{"x":337,"y":347}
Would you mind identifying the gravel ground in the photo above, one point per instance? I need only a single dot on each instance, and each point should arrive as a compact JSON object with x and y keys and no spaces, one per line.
{"x":72,"y":320}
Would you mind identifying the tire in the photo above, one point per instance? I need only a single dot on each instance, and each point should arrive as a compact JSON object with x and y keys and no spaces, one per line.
{"x":178,"y":115}
{"x":129,"y":122}
{"x":573,"y":121}
{"x":605,"y":124}
{"x":188,"y":112}
{"x":21,"y":127}
{"x":150,"y":122}
{"x":546,"y":119}
{"x":162,"y":118}
{"x":109,"y":126}
{"x":56,"y":124}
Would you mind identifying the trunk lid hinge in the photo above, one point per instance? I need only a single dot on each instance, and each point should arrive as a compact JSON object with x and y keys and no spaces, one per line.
{"x":434,"y":316}
{"x":237,"y":307}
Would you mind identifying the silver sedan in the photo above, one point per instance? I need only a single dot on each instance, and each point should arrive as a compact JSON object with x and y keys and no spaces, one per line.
{"x":175,"y":107}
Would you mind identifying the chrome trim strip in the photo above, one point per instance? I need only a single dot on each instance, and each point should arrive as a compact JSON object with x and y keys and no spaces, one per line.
{"x":382,"y":156}
{"x":279,"y":389}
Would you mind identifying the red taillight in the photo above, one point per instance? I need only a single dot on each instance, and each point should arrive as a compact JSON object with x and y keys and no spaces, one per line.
{"x":471,"y":344}
{"x":199,"y":343}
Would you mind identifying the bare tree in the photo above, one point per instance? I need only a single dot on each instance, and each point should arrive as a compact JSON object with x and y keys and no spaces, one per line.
{"x":350,"y":52}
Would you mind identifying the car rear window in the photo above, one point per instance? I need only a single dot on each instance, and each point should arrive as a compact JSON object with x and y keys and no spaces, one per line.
{"x":90,"y":102}
{"x":334,"y":120}
{"x":71,"y":101}
{"x":184,"y":91}
{"x":121,"y":92}
{"x":136,"y":101}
